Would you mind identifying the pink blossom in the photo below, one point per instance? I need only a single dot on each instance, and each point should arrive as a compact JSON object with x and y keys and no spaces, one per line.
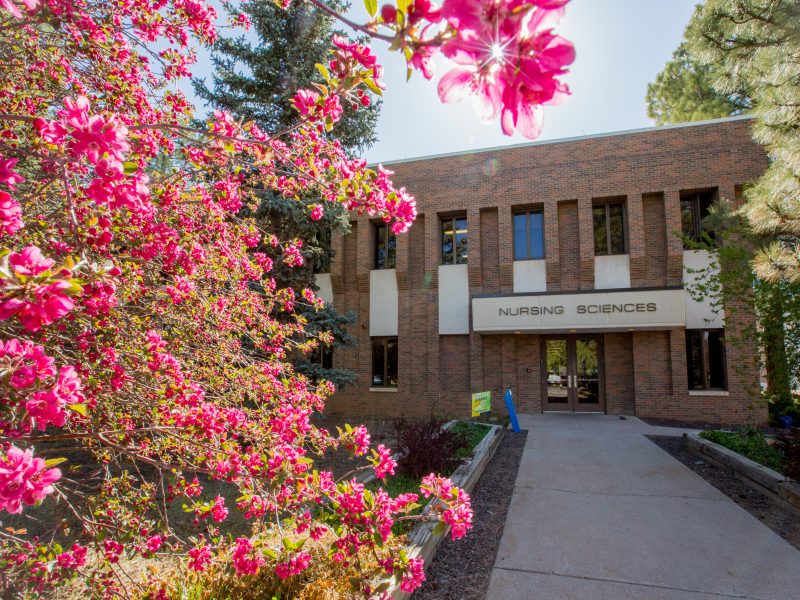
{"x":95,"y":136}
{"x":27,"y":363}
{"x":305,"y":101}
{"x":72,"y":559}
{"x":510,"y":60}
{"x":47,"y":407}
{"x":30,"y":262}
{"x":10,"y":215}
{"x":112,"y":549}
{"x":413,"y":575}
{"x":383,"y":462}
{"x":154,"y":543}
{"x":296,"y":564}
{"x":11,"y":7}
{"x":292,"y":256}
{"x":7,"y":174}
{"x":48,"y":303}
{"x":356,"y":440}
{"x":317,"y":212}
{"x":245,"y":560}
{"x":199,"y":558}
{"x":24,"y":479}
{"x":52,"y":132}
{"x":332,"y":108}
{"x":218,"y":511}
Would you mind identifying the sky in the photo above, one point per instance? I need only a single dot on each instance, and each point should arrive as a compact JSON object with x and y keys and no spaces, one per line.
{"x":621,"y":46}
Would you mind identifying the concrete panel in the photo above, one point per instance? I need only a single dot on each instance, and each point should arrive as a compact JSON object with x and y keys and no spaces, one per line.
{"x":699,"y":266}
{"x":453,"y":299}
{"x":383,"y":302}
{"x":323,"y":281}
{"x":611,"y":272}
{"x":530,"y":276}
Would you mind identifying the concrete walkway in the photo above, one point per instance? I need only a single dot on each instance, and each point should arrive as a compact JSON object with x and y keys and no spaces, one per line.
{"x":601,"y":513}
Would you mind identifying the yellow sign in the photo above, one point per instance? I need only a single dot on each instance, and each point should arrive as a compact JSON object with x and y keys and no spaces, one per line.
{"x":481,"y":403}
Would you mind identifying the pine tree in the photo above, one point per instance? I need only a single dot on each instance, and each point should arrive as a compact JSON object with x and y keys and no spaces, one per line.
{"x":755,"y":45}
{"x":723,"y":68}
{"x":682,"y":92}
{"x":255,"y":80}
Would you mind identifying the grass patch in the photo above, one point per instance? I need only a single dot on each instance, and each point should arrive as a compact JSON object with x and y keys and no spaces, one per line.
{"x":475,"y":432}
{"x":750,"y":443}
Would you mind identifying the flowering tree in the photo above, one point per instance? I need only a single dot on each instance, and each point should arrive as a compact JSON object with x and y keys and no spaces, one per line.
{"x":142,"y":335}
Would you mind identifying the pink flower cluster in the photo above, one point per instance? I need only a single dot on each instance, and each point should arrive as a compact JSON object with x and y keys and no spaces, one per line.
{"x":510,"y":59}
{"x":246,"y":561}
{"x":457,"y":511}
{"x":199,"y":558}
{"x":296,"y":564}
{"x":30,"y":292}
{"x":411,"y":572}
{"x":10,"y":215}
{"x":47,"y":407}
{"x":383,"y":462}
{"x":355,"y":439}
{"x":24,"y":479}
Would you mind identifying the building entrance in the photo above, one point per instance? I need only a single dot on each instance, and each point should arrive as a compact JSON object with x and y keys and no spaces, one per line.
{"x":573,"y":374}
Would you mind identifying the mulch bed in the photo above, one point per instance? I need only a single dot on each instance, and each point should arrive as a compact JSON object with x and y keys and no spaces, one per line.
{"x":461,"y":569}
{"x":773,"y":513}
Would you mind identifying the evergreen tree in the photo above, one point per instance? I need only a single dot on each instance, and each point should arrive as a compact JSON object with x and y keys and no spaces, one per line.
{"x":682,"y":92}
{"x":254,"y":79}
{"x":755,"y":45}
{"x":721,"y":69}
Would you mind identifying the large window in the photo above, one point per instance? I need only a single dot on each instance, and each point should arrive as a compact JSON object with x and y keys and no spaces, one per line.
{"x":528,"y":235}
{"x":385,"y":247}
{"x":705,"y":359}
{"x":609,"y":228}
{"x":695,"y":208}
{"x":454,"y":240}
{"x":384,"y":362}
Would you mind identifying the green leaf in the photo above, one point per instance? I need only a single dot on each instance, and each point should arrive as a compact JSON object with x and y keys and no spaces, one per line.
{"x":78,"y":408}
{"x":52,"y":462}
{"x":371,"y":6}
{"x":370,"y":83}
{"x":324,"y":71}
{"x":439,"y":528}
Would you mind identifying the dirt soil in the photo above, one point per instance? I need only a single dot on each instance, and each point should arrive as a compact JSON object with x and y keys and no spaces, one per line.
{"x":774,"y":514}
{"x":461,"y":569}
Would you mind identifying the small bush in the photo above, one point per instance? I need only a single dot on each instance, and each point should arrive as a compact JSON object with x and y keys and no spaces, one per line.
{"x":790,"y":446}
{"x":425,"y":447}
{"x":750,"y":443}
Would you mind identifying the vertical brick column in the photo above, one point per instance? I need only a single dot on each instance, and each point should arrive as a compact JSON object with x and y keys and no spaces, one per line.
{"x":364,"y":257}
{"x":402,"y":261}
{"x":680,"y":378}
{"x":672,"y":216}
{"x":474,"y":248}
{"x":505,"y":235}
{"x":586,"y":240}
{"x":433,"y":257}
{"x":636,"y":241}
{"x":337,"y":263}
{"x":551,"y":246}
{"x":509,"y":367}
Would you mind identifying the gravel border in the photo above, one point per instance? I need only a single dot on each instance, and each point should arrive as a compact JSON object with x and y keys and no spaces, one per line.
{"x":771,"y":512}
{"x":461,"y":569}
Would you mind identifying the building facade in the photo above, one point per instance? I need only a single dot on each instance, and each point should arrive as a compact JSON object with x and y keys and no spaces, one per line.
{"x":557,"y":269}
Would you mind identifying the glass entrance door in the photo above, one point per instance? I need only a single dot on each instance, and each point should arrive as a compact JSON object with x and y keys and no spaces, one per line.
{"x":572,"y":373}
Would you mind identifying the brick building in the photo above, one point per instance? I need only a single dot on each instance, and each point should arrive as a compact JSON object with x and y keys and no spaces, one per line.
{"x":554,"y":268}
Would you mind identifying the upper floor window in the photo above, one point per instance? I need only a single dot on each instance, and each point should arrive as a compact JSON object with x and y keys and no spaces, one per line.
{"x":454,"y":240}
{"x":528,"y":235}
{"x":384,"y":362}
{"x":385,"y":247}
{"x":609,"y":228}
{"x":705,"y":359}
{"x":695,"y":208}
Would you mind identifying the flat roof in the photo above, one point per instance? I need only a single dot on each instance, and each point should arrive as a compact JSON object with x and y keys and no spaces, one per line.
{"x":567,"y":139}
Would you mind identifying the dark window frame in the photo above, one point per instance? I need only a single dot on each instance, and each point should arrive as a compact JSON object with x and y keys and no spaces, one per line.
{"x":322,"y":355}
{"x":450,"y":258}
{"x":528,"y":252}
{"x":696,"y":200}
{"x":383,"y":342}
{"x":607,"y":207}
{"x":384,"y":230}
{"x":702,"y":336}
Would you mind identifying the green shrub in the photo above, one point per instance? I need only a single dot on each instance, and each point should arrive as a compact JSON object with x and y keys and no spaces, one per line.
{"x":750,"y":443}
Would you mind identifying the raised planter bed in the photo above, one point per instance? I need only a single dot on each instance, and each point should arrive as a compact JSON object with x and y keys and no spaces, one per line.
{"x":749,"y":471}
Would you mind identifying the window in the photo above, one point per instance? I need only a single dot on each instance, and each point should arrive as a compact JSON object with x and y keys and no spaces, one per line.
{"x":695,"y":208}
{"x":384,"y":362}
{"x":528,"y":235}
{"x":454,"y":241}
{"x":609,"y":229}
{"x":322,"y":355}
{"x":385,"y":247}
{"x":705,"y":359}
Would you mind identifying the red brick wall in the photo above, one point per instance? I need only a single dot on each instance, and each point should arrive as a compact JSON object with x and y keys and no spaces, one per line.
{"x":645,"y":371}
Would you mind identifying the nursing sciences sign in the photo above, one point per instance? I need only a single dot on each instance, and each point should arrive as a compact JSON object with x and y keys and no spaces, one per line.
{"x":481,"y":403}
{"x":593,"y":311}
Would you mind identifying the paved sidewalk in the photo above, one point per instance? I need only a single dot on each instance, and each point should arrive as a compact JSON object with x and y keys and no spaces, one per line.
{"x":601,"y":513}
